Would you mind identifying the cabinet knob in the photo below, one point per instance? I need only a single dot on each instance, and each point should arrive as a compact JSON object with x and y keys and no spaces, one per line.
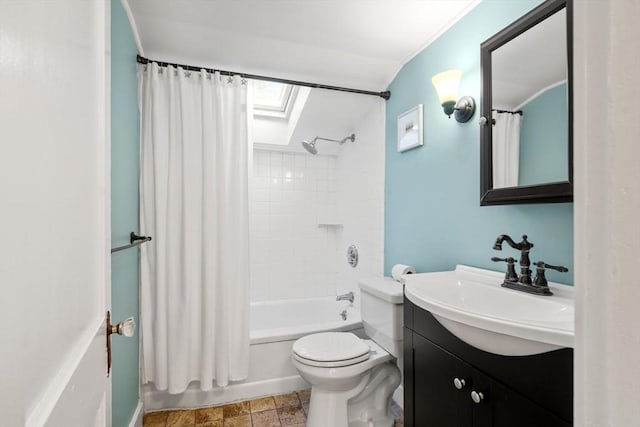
{"x":477,"y":396}
{"x":459,"y":383}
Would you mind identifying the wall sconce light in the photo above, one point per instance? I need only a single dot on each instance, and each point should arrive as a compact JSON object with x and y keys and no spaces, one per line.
{"x":446,"y":84}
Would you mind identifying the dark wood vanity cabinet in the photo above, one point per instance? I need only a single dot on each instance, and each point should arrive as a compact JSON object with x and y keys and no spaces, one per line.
{"x":441,"y":372}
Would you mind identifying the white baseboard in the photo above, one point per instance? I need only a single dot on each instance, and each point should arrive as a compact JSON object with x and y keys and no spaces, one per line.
{"x":136,"y":419}
{"x":194,"y":398}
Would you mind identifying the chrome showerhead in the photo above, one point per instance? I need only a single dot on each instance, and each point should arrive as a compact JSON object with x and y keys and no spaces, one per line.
{"x":310,"y":146}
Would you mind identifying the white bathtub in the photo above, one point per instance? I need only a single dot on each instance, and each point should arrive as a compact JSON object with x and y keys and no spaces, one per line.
{"x":274,"y":326}
{"x":291,"y":319}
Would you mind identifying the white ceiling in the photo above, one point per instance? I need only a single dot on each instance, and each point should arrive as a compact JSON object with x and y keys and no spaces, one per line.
{"x":355,"y":43}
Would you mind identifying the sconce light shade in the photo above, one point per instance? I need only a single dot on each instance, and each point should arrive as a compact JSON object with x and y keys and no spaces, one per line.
{"x":446,"y":84}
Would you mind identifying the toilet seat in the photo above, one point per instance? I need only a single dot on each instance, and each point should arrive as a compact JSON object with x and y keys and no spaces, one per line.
{"x":331,"y":349}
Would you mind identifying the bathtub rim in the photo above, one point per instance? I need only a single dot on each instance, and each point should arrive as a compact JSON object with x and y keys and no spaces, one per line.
{"x":262,"y":336}
{"x":293,"y":333}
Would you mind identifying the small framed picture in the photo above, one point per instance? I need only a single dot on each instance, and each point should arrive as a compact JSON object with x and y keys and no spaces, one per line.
{"x":410,"y":129}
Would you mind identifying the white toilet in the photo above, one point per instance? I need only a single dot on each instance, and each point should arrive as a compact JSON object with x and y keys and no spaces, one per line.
{"x":352,"y":379}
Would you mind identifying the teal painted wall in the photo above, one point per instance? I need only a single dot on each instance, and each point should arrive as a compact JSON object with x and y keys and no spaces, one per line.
{"x":543,"y":138}
{"x":433,"y":218}
{"x":124,"y":212}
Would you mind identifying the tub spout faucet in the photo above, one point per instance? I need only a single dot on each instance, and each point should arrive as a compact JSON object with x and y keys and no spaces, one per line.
{"x":524,"y":247}
{"x":346,"y":297}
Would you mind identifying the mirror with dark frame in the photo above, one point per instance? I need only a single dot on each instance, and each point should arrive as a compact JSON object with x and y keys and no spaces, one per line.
{"x":526,"y":145}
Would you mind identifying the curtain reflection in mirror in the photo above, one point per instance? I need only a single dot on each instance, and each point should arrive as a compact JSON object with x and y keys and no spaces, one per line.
{"x":506,"y":148}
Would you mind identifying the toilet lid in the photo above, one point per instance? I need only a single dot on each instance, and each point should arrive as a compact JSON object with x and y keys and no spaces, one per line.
{"x":331,"y":349}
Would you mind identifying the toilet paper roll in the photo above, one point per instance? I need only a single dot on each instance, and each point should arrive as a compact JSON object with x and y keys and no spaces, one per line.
{"x":399,"y":269}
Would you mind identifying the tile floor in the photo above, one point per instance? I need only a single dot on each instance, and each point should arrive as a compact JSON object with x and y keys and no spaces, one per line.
{"x":282,"y":410}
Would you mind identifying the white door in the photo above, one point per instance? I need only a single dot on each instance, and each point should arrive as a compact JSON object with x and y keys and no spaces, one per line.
{"x":54,"y":212}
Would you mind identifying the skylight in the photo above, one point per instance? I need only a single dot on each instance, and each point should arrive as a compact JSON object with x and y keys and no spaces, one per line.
{"x":272,"y":99}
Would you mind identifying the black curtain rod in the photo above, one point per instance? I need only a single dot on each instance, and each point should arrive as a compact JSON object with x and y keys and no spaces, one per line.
{"x":507,"y":111}
{"x":385,"y":95}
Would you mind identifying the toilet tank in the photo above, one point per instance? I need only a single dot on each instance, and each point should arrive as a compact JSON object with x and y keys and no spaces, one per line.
{"x":381,"y":311}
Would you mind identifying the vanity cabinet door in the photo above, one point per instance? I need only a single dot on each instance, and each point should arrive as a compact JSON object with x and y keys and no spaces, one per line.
{"x":433,"y":398}
{"x":437,"y":400}
{"x":503,"y":407}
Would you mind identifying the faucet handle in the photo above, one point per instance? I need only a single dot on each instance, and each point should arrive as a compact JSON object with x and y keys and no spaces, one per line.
{"x":510,"y":275}
{"x":540,"y":279}
{"x":508,"y":260}
{"x":559,"y":268}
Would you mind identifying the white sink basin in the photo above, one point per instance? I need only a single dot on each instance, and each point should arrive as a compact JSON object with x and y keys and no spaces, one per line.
{"x":472,"y":305}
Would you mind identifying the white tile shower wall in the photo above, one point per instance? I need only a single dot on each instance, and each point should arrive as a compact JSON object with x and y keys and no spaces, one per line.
{"x":360,"y":172}
{"x":291,"y":256}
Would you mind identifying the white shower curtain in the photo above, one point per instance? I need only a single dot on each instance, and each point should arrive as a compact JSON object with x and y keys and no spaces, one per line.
{"x":505,"y":149}
{"x":194,"y":161}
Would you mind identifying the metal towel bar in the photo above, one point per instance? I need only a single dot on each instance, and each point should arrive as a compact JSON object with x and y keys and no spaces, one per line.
{"x":134,"y":240}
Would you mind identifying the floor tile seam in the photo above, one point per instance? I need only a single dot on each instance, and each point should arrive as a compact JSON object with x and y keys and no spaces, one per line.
{"x":282,"y":424}
{"x":263,"y":410}
{"x":278,"y":415}
{"x":290,"y":406}
{"x":297,"y":407}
